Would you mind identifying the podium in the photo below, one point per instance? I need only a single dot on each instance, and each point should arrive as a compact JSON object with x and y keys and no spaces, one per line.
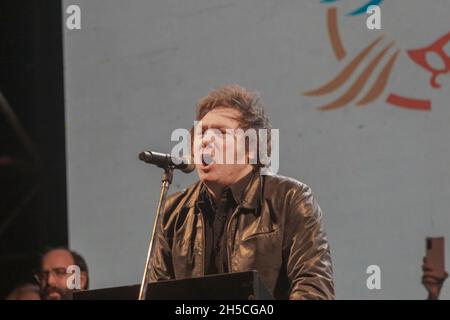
{"x":228,"y":286}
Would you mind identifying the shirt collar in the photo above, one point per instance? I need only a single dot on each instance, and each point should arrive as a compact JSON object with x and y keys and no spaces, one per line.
{"x":251,"y":193}
{"x":239,"y":190}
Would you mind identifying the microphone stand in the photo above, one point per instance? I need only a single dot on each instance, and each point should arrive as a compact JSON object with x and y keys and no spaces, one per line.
{"x":166,"y":180}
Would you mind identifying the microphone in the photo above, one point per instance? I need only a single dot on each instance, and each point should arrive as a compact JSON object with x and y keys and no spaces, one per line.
{"x":165,"y":160}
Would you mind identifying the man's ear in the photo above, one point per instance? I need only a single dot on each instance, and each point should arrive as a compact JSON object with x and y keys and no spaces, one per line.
{"x":83,"y":280}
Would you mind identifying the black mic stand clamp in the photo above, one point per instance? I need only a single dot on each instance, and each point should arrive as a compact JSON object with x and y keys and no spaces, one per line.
{"x":166,"y":180}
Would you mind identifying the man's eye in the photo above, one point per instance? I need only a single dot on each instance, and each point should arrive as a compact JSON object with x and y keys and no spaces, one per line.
{"x":60,"y":271}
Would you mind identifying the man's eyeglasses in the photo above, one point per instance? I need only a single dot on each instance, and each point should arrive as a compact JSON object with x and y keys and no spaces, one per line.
{"x":42,"y":276}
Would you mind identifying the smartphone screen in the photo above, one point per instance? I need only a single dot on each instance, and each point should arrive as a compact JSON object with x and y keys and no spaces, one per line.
{"x":435,"y":253}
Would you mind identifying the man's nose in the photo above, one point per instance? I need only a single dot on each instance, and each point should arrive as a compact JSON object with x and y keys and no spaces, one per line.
{"x":51,"y":280}
{"x":207,"y":141}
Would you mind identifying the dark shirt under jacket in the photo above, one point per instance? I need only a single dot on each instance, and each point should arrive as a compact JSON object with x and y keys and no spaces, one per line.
{"x":216,"y":217}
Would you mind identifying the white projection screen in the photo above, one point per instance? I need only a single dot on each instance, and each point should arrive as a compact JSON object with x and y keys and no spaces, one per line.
{"x":380,"y":170}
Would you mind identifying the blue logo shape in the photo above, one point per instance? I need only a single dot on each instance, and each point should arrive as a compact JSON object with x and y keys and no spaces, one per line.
{"x":360,"y":10}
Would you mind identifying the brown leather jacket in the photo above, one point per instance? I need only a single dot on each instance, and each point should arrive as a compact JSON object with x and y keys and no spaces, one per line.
{"x":277,"y":230}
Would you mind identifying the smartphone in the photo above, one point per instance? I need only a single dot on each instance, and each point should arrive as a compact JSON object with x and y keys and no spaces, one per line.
{"x":435,"y":253}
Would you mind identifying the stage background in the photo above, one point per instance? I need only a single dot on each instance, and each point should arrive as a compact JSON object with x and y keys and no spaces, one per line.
{"x":381,"y":173}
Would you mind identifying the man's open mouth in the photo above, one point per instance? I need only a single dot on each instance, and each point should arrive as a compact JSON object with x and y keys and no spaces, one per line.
{"x":207,"y":159}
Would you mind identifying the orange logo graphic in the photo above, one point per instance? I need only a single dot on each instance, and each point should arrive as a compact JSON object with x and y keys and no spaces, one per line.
{"x":355,"y":92}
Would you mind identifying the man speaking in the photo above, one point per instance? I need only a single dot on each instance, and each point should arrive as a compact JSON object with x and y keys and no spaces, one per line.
{"x":237,"y":219}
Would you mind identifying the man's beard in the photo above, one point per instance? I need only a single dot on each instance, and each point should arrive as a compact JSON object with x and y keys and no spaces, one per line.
{"x":63,"y":294}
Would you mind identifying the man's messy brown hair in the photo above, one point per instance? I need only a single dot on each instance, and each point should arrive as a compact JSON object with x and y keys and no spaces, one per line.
{"x":248,"y":103}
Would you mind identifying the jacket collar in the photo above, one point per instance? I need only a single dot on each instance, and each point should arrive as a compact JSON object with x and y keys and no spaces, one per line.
{"x":251,"y":199}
